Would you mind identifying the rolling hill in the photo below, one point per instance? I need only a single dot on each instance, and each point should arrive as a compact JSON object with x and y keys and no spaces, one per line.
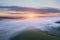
{"x":35,"y":35}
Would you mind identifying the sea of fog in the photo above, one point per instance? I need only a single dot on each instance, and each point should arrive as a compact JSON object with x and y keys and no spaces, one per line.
{"x":8,"y":27}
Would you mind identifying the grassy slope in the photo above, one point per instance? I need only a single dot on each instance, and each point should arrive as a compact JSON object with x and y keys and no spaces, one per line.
{"x":35,"y":35}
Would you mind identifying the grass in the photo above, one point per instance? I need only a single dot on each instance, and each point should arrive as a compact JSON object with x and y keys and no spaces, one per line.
{"x":35,"y":35}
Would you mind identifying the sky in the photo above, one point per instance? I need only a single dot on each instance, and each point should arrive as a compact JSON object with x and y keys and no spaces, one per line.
{"x":31,"y":3}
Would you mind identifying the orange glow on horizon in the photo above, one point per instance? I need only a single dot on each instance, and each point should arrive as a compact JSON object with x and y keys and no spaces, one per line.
{"x":28,"y":14}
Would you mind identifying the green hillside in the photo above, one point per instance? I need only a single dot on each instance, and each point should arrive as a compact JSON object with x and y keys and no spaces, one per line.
{"x":35,"y":35}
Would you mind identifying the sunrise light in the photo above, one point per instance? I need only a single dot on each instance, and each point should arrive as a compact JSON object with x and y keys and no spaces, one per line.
{"x":30,"y":15}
